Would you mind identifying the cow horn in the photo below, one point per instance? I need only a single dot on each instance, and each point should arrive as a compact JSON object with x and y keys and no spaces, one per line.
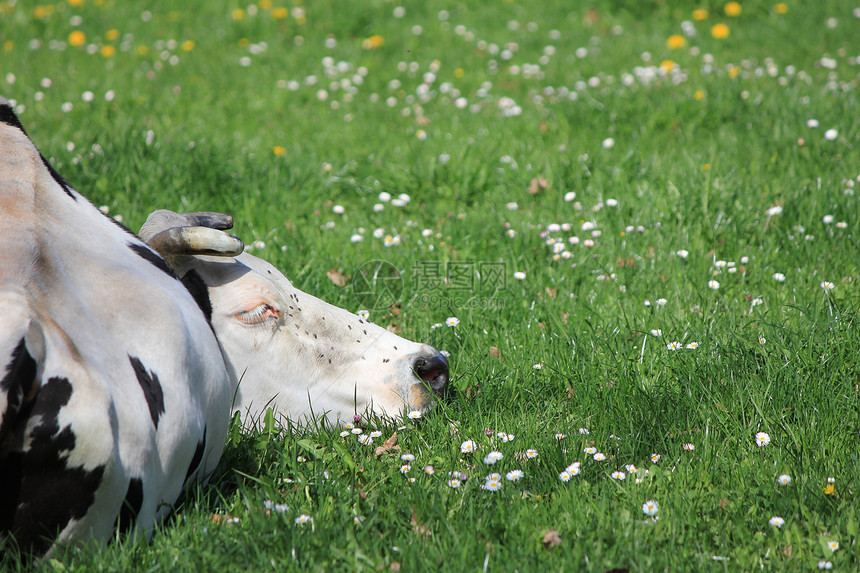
{"x":196,"y":241}
{"x":221,"y":221}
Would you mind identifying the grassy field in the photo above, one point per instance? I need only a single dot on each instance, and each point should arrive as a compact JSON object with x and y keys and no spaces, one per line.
{"x":641,"y":213}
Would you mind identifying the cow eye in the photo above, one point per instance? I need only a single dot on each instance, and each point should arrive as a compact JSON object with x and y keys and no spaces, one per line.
{"x":258,"y":315}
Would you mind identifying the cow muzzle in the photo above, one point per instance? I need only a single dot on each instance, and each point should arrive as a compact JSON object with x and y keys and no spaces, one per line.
{"x":433,"y":371}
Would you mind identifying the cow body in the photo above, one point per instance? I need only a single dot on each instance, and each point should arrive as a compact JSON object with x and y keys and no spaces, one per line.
{"x":113,"y":388}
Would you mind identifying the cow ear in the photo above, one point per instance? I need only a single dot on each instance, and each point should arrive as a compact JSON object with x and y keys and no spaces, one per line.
{"x":177,"y":241}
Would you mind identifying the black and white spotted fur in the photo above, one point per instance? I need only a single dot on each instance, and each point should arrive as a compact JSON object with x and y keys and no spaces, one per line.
{"x":113,"y":389}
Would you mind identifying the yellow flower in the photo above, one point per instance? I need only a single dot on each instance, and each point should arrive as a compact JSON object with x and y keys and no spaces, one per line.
{"x":734,"y":71}
{"x":77,"y":38}
{"x":76,"y":2}
{"x":720,"y":31}
{"x":279,"y":151}
{"x":238,"y":14}
{"x":676,"y":41}
{"x":667,"y":65}
{"x":459,"y":73}
{"x":699,"y":95}
{"x":706,"y":167}
{"x":9,"y":45}
{"x":733,"y":9}
{"x":374,"y":41}
{"x":700,"y":14}
{"x":112,"y":34}
{"x":781,"y":8}
{"x":266,"y":4}
{"x":243,"y":42}
{"x":108,"y":51}
{"x":188,"y":45}
{"x":829,"y":489}
{"x":142,"y":50}
{"x":280,"y":13}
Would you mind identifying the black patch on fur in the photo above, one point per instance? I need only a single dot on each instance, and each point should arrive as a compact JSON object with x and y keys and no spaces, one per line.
{"x":17,"y":383}
{"x":197,"y":457}
{"x":152,"y":257}
{"x":200,"y":291}
{"x":151,"y":389}
{"x":7,"y":116}
{"x":39,"y":493}
{"x":131,"y":505}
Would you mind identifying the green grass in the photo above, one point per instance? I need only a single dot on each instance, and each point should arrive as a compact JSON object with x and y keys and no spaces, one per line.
{"x":699,"y":157}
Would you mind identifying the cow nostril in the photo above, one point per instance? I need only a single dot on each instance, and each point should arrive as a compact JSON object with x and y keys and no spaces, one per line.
{"x":433,"y":371}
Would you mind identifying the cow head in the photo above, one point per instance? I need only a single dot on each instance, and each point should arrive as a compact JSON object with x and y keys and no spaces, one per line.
{"x":288,"y":350}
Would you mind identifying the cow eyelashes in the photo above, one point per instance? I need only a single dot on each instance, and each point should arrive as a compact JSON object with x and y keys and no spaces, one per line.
{"x":258,"y":314}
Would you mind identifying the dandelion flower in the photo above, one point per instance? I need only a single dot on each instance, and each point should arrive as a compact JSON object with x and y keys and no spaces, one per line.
{"x":829,"y":489}
{"x":720,"y":31}
{"x":783,"y":479}
{"x":676,"y":41}
{"x":650,"y":508}
{"x":776,"y":521}
{"x":733,"y":9}
{"x":762,"y":439}
{"x":468,"y":447}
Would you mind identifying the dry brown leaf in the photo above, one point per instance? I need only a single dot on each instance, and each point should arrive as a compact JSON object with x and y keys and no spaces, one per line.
{"x":537,"y":184}
{"x":387,"y":445}
{"x":395,"y":566}
{"x":551,"y":538}
{"x":495,"y":352}
{"x":418,"y":528}
{"x":336,"y":277}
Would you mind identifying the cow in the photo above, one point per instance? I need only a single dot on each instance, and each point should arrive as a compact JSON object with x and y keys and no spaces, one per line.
{"x":114,"y":392}
{"x":119,"y":371}
{"x":289,"y":351}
